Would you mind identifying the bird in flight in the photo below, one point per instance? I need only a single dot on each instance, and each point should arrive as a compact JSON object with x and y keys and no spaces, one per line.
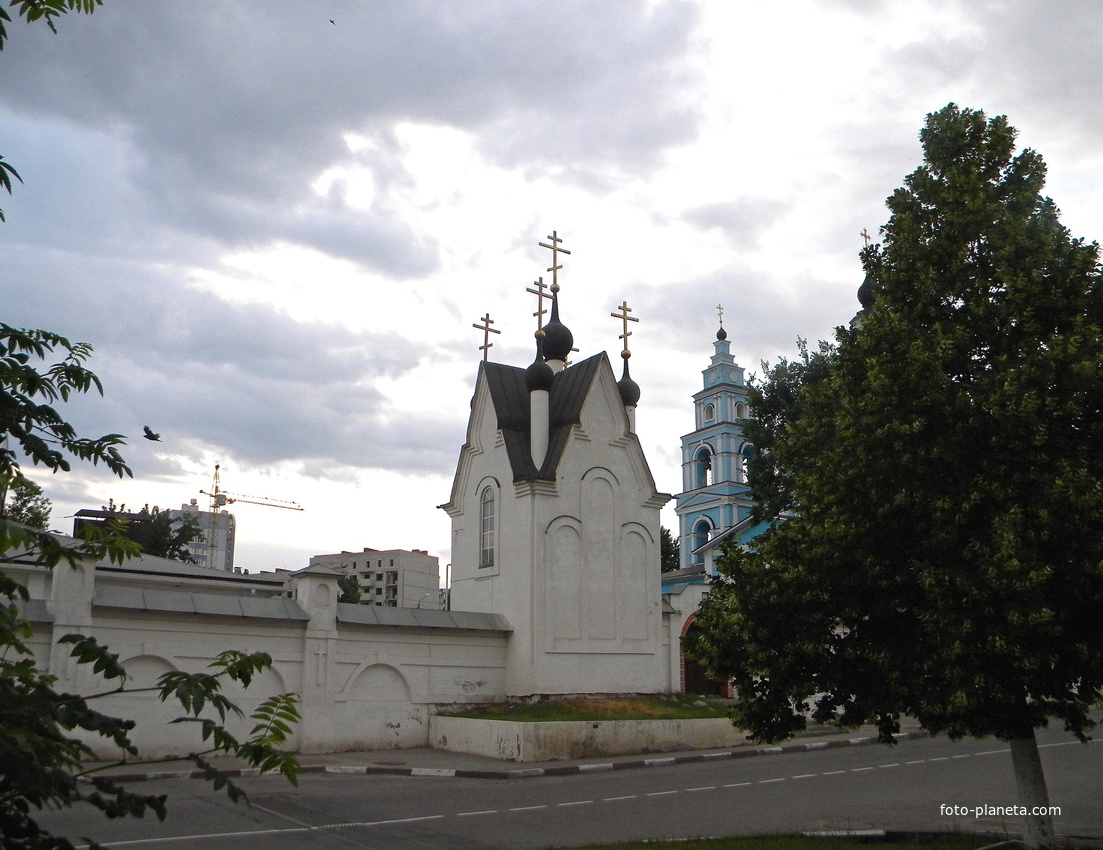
{"x":149,"y":435}
{"x":333,"y":21}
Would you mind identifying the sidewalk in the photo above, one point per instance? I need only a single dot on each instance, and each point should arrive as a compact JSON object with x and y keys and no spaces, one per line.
{"x":424,"y":761}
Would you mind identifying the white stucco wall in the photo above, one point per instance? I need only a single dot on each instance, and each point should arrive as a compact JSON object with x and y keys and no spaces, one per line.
{"x":361,"y":686}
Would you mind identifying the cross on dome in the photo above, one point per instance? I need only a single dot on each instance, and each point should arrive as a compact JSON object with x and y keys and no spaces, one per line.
{"x":487,"y":331}
{"x":555,"y":266}
{"x":540,"y":294}
{"x":625,"y":318}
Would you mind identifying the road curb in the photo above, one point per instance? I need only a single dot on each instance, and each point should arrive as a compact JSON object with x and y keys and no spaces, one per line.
{"x":633,"y":764}
{"x":530,"y":772}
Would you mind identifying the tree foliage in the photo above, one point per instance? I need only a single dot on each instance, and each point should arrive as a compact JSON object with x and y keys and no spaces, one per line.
{"x":349,"y":586}
{"x":168,"y":537}
{"x":21,"y":501}
{"x":669,"y":550}
{"x":43,"y":10}
{"x":42,"y":753}
{"x":157,"y":532}
{"x":945,"y":557}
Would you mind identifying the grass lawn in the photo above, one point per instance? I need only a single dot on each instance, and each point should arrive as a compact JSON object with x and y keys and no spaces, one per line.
{"x":902,"y":841}
{"x":638,"y":707}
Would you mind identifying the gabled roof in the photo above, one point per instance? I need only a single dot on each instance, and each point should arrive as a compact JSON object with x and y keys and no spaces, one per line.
{"x":510,"y":398}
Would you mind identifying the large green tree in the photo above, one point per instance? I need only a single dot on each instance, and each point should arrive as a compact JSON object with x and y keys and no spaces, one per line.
{"x":943,"y":558}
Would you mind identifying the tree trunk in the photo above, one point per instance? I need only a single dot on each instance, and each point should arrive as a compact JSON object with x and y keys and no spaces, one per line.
{"x":1033,"y":796}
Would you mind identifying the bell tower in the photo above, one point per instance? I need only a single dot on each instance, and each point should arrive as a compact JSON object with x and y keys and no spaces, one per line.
{"x":714,"y":493}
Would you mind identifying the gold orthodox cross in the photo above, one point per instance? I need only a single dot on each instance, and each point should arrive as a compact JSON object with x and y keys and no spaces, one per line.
{"x":487,"y":331}
{"x":540,"y":296}
{"x":865,"y":236}
{"x":624,"y":317}
{"x":556,"y":251}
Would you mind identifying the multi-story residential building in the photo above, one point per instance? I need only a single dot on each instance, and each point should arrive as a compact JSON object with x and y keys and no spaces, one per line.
{"x":215,"y":546}
{"x":397,"y":578}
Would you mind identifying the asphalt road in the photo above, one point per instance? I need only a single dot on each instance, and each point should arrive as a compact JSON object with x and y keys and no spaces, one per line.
{"x":869,"y":787}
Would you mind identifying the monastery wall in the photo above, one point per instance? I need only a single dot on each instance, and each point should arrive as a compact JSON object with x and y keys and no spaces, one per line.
{"x":368,"y":677}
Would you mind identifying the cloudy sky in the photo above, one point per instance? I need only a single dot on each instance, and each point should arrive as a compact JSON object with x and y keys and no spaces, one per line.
{"x":277,"y":221}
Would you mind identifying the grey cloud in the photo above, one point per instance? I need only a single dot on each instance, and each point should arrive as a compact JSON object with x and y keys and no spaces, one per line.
{"x":245,"y":377}
{"x":225,"y":115}
{"x":1030,"y":51}
{"x":742,"y":220}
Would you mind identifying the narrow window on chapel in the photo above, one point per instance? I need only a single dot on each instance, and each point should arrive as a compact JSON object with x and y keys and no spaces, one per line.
{"x":486,"y":525}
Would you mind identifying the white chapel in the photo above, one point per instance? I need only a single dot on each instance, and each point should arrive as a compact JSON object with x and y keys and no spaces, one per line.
{"x":555,"y":520}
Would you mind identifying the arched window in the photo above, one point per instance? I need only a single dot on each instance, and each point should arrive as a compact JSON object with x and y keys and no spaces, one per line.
{"x":746,"y":452}
{"x":703,"y":468}
{"x":741,"y":411}
{"x":701,"y":532}
{"x":486,"y":528}
{"x":710,"y":412}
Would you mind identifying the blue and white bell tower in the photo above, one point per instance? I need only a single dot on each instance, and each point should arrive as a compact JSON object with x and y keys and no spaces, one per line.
{"x":714,"y":495}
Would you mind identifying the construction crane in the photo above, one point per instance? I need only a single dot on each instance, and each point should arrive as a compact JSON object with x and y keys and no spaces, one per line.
{"x":220,"y":498}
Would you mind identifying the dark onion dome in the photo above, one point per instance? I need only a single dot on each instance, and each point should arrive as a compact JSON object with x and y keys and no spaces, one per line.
{"x":539,"y":375}
{"x":558,"y":339}
{"x":865,"y":293}
{"x":721,"y":334}
{"x":629,"y":389}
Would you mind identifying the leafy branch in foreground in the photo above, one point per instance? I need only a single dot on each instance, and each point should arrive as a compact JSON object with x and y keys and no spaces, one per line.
{"x":46,"y":10}
{"x":45,"y":733}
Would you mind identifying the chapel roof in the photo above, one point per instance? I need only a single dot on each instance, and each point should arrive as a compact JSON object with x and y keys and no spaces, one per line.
{"x":509,"y":395}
